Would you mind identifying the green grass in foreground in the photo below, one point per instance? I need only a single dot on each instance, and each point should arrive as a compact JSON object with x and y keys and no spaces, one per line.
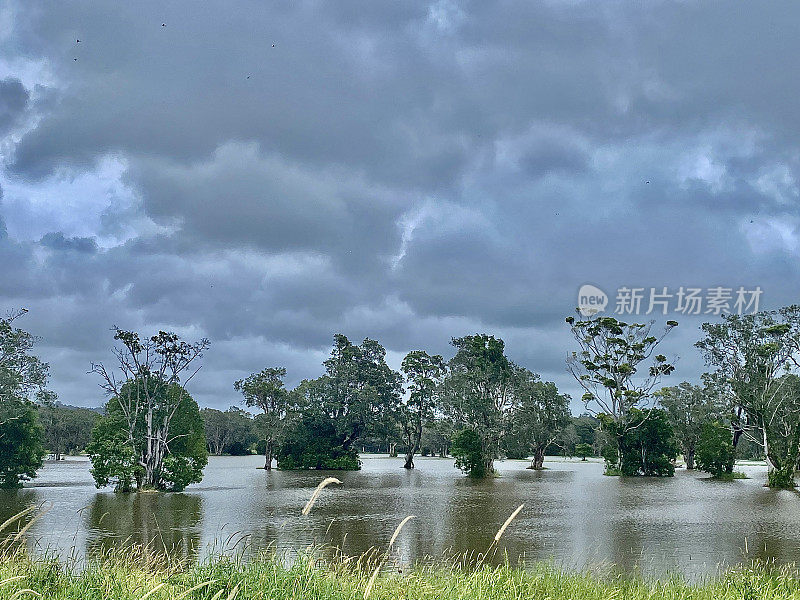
{"x":118,"y":578}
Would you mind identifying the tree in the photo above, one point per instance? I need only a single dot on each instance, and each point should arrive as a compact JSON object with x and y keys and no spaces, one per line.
{"x":647,"y":446}
{"x":312,"y":442}
{"x":608,"y":366}
{"x":357,"y":391}
{"x":689,"y":407}
{"x":424,"y":374}
{"x":151,"y":410}
{"x":583,"y":450}
{"x":218,"y":432}
{"x":67,"y":429}
{"x":540,"y":414}
{"x":469,"y":451}
{"x":265,"y":390}
{"x":715,"y":451}
{"x":477,"y":393}
{"x":23,"y":379}
{"x":753,"y":354}
{"x":243,"y":432}
{"x":119,"y":455}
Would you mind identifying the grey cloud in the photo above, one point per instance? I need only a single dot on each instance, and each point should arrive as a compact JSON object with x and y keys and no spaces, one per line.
{"x":58,"y":241}
{"x":406,"y":171}
{"x":14,"y":100}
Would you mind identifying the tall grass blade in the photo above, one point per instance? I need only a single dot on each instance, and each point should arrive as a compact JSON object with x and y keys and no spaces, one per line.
{"x":325,"y":482}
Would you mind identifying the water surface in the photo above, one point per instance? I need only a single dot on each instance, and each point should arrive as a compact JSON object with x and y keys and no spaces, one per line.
{"x":573,"y":515}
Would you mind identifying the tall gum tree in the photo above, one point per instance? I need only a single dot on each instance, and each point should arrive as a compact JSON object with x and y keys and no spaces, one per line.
{"x":265,"y":390}
{"x":756,"y":359}
{"x":540,"y":415}
{"x":478,"y":392}
{"x":618,"y":368}
{"x":424,"y":374}
{"x":689,"y":407}
{"x":148,"y":388}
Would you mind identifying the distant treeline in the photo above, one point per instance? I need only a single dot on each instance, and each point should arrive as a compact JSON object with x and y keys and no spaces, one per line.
{"x":477,"y":407}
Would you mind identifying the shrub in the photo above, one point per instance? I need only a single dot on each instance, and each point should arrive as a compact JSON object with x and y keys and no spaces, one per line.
{"x":583,"y":450}
{"x":467,"y":449}
{"x":313,"y":443}
{"x":715,"y":452}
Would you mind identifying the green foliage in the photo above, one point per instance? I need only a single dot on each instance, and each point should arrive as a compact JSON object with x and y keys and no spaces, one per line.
{"x":113,"y":456}
{"x":610,"y":359}
{"x":781,"y":479}
{"x":539,"y":417}
{"x":265,"y":390}
{"x":67,"y":429}
{"x":467,"y":449}
{"x":359,"y":394}
{"x":231,"y":432}
{"x":754,"y":356}
{"x":21,"y":450}
{"x":152,"y":408}
{"x":648,"y":445}
{"x":313,"y":442}
{"x":119,"y":455}
{"x":715,"y":451}
{"x":424,"y":374}
{"x":23,"y":378}
{"x":477,"y":393}
{"x":583,"y":450}
{"x":689,"y":407}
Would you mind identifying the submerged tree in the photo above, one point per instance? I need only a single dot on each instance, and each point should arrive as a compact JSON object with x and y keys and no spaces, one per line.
{"x":755,"y":356}
{"x":715,"y":451}
{"x":689,"y":408}
{"x":357,"y":391}
{"x":478,"y":393}
{"x":539,"y":417}
{"x":23,"y":379}
{"x":118,"y":456}
{"x":618,"y":369}
{"x":583,"y":450}
{"x":150,"y":415}
{"x":424,"y":374}
{"x":265,"y":390}
{"x":647,"y":446}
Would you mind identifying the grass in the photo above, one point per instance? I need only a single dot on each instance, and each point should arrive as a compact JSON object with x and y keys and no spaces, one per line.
{"x":136,"y":577}
{"x":731,"y":476}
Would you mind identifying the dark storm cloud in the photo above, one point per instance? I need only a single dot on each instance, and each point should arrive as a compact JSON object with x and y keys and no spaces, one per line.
{"x":13,"y":102}
{"x":404,"y":171}
{"x":57,"y":241}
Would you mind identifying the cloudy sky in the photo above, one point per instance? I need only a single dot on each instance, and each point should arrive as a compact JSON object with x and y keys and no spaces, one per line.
{"x":269,"y":173}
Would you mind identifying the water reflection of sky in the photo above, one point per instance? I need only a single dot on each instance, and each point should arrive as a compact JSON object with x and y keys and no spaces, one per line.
{"x":573,"y":515}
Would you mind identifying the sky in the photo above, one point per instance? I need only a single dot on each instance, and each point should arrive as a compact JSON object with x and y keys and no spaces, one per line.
{"x":267,"y":174}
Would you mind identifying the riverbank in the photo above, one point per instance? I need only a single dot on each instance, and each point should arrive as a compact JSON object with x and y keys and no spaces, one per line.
{"x":136,"y":576}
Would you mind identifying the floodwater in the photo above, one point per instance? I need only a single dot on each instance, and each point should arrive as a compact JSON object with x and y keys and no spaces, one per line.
{"x":573,"y":517}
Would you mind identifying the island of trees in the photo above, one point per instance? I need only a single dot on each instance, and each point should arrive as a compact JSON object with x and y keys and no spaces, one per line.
{"x":477,"y":407}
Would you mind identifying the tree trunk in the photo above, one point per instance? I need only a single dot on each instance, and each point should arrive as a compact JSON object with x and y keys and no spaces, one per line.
{"x":538,"y":459}
{"x":268,"y":456}
{"x":393,"y":449}
{"x":409,"y":464}
{"x":413,"y":448}
{"x":689,"y":458}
